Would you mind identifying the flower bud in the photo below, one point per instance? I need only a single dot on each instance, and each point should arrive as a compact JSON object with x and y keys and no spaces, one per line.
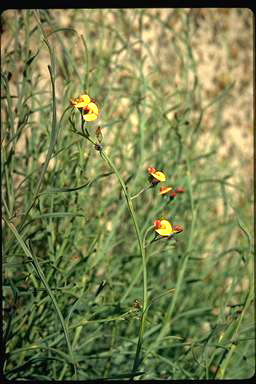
{"x":177,"y":228}
{"x":179,"y":190}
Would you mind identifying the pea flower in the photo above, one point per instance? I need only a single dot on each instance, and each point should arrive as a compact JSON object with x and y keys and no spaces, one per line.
{"x":164,"y":190}
{"x":88,"y":107}
{"x":172,"y":194}
{"x":179,"y":190}
{"x":81,"y":101}
{"x":91,"y":112}
{"x":156,"y":176}
{"x":164,"y":228}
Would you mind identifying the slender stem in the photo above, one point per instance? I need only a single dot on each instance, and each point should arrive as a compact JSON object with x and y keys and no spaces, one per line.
{"x":143,"y":254}
{"x":145,"y":235}
{"x":143,"y":190}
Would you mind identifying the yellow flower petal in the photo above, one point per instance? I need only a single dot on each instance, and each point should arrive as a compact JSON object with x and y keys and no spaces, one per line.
{"x":90,"y":116}
{"x":91,"y":112}
{"x":85,"y":98}
{"x":90,"y":109}
{"x":93,"y":108}
{"x":164,"y":190}
{"x":166,"y":228}
{"x":159,"y":175}
{"x":81,"y":102}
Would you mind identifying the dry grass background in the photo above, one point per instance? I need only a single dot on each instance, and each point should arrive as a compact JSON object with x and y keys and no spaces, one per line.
{"x":222,"y":45}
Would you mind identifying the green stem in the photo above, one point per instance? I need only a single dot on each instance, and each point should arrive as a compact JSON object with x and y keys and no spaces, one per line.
{"x":140,"y":192}
{"x":143,"y":255}
{"x":36,"y":265}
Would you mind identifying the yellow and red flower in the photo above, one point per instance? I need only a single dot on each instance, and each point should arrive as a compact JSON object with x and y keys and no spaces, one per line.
{"x":164,"y":228}
{"x":156,"y":176}
{"x":91,"y":112}
{"x":164,"y":190}
{"x":81,"y":101}
{"x":88,"y":107}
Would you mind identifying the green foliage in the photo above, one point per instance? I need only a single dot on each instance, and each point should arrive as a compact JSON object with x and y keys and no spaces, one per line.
{"x":71,"y":260}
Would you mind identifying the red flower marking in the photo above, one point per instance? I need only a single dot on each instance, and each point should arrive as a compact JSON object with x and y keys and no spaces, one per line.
{"x":151,"y":170}
{"x":157,"y":224}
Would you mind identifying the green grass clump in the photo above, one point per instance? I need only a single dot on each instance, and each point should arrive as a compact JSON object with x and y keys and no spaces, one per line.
{"x":88,"y":291}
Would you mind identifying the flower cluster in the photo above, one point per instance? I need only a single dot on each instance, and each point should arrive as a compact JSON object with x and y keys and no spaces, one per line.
{"x":89,"y":109}
{"x":173,"y":193}
{"x":155,"y":176}
{"x":164,"y":227}
{"x":90,"y":112}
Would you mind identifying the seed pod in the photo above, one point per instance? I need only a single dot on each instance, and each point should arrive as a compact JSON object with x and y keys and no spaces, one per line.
{"x":99,"y":134}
